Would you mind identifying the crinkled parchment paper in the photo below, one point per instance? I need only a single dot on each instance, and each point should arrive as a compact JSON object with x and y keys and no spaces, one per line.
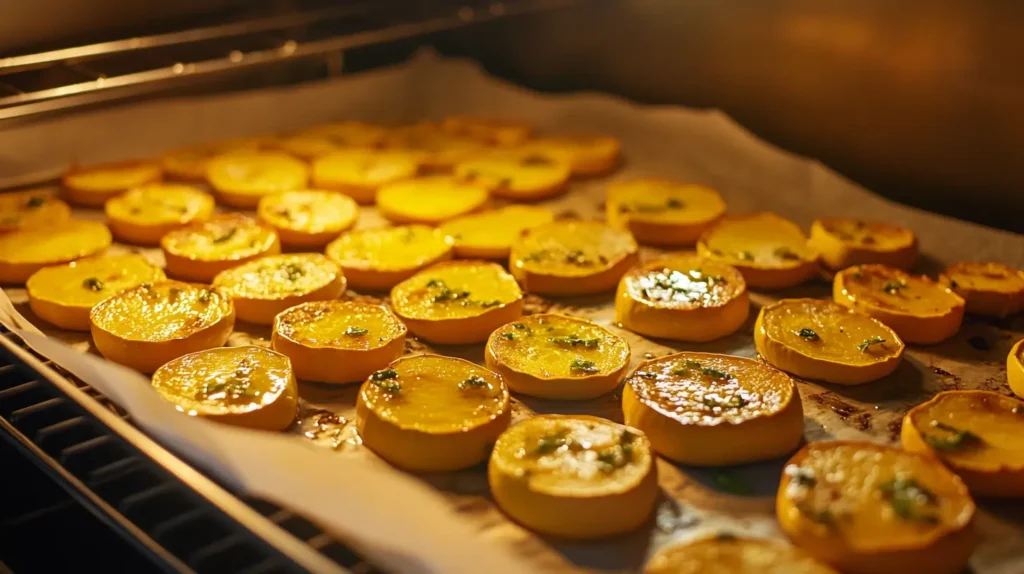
{"x":448,"y":523}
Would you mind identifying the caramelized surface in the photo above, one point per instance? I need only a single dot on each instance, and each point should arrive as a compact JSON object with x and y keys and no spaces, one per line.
{"x":340,"y":325}
{"x":436,"y":394}
{"x":706,"y":389}
{"x":990,"y":277}
{"x":684,"y":281}
{"x":514,"y":172}
{"x":455,"y":290}
{"x":161,"y":311}
{"x":558,"y":346}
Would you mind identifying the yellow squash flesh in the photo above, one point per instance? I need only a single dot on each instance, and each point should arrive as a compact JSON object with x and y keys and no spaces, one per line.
{"x":264,"y":287}
{"x":663,"y":212}
{"x":380,"y":258}
{"x":143,"y":215}
{"x":308,"y":218}
{"x":201,"y":250}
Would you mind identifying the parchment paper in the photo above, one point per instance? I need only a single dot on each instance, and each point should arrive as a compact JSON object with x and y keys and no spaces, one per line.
{"x":447,"y":522}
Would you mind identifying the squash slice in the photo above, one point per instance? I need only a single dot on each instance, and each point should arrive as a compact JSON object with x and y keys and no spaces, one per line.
{"x":378,"y":259}
{"x":201,"y":250}
{"x":990,"y":289}
{"x":65,"y":294}
{"x":144,"y":214}
{"x":32,"y":208}
{"x":770,"y":252}
{"x":575,"y":477}
{"x":587,"y":156}
{"x":663,"y":212}
{"x":308,"y":218}
{"x":491,"y":131}
{"x":490,"y":234}
{"x":976,"y":434}
{"x":684,"y":297}
{"x":264,"y":287}
{"x":712,"y":410}
{"x":430,"y":413}
{"x":248,"y":387}
{"x":147,"y":326}
{"x":338,"y":341}
{"x":572,"y":258}
{"x":918,"y":309}
{"x":845,"y":241}
{"x":457,"y":302}
{"x":240,"y":179}
{"x":190,"y":163}
{"x":92,"y":186}
{"x":26,"y":251}
{"x":516,"y":175}
{"x":558,"y":357}
{"x":430,"y":200}
{"x":820,"y":340}
{"x":865,"y":508}
{"x":359,"y":173}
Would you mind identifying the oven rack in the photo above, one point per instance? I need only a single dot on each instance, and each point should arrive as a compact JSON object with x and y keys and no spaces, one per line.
{"x":177,"y":518}
{"x":33,"y":85}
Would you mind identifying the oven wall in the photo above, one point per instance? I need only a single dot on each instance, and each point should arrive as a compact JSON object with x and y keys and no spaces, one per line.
{"x":921,"y":100}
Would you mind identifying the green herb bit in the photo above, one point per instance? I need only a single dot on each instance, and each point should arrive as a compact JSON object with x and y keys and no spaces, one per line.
{"x":293,"y":271}
{"x":388,"y":386}
{"x":491,"y":303}
{"x":536,"y":255}
{"x":953,"y":284}
{"x":734,"y":402}
{"x":93,"y":284}
{"x":744,"y":256}
{"x":384,"y":375}
{"x":615,"y":457}
{"x":204,"y":296}
{"x":627,"y":437}
{"x":354,"y":331}
{"x":647,"y":375}
{"x":808,"y":334}
{"x":173,"y":293}
{"x":823,"y":516}
{"x":863,"y":346}
{"x":714,"y":373}
{"x":577,"y":257}
{"x":786,"y":253}
{"x":34,"y":202}
{"x":579,"y":364}
{"x":474,"y":381}
{"x":801,"y":476}
{"x":694,"y":364}
{"x":226,"y":236}
{"x":447,"y":294}
{"x":435,"y":283}
{"x":674,"y":203}
{"x":731,"y":483}
{"x":893,"y":287}
{"x":574,"y":340}
{"x":551,"y":442}
{"x":957,"y":440}
{"x":520,"y":326}
{"x":909,"y":500}
{"x":509,"y":336}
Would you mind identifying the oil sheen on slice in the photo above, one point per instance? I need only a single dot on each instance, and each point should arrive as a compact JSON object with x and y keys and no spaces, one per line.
{"x":576,"y":477}
{"x":557,"y":357}
{"x":244,"y":386}
{"x":432,"y":413}
{"x":865,"y":508}
{"x":712,"y":410}
{"x":821,"y":340}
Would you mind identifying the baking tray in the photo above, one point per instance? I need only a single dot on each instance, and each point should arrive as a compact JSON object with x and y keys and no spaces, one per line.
{"x":698,"y":146}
